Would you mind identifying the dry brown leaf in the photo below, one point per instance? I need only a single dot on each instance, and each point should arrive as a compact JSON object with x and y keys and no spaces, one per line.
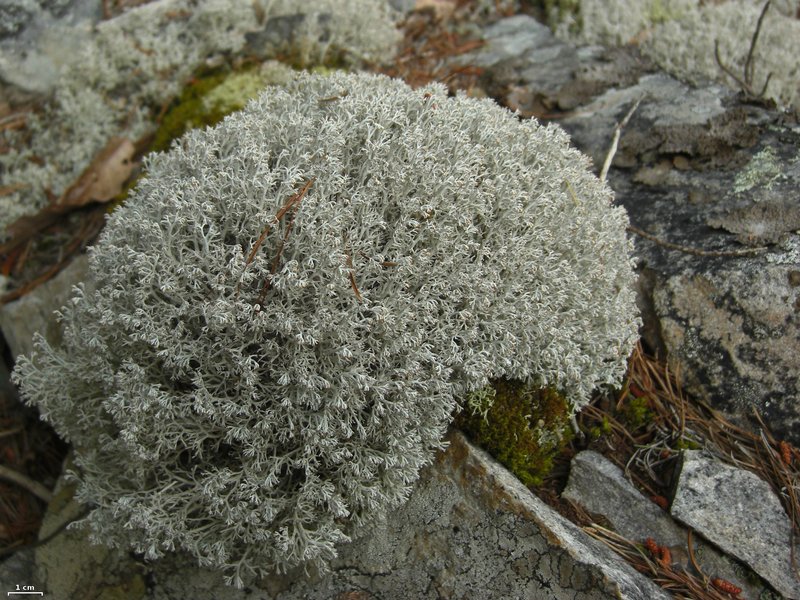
{"x":442,"y":9}
{"x":100,"y":182}
{"x":104,"y":178}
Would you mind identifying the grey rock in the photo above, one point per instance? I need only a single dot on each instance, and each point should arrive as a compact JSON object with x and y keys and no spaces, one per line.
{"x":728,"y":323}
{"x":33,"y":312}
{"x":37,"y":39}
{"x":68,"y":566}
{"x":669,"y":120}
{"x":539,"y":73}
{"x":18,"y":569}
{"x":713,"y":176}
{"x":522,"y":45}
{"x":737,"y":511}
{"x":601,"y":487}
{"x":16,"y":15}
{"x":403,"y":6}
{"x":700,"y":169}
{"x":472,"y":530}
{"x":736,"y":327}
{"x":469,"y":530}
{"x":516,"y":37}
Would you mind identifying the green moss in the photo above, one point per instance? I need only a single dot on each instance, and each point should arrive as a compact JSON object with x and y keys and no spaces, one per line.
{"x":556,"y":11}
{"x":635,"y":413}
{"x":659,"y":13}
{"x":188,"y":111}
{"x":601,"y":429}
{"x":210,"y":96}
{"x":233,"y":92}
{"x":684,"y":444}
{"x":525,"y":428}
{"x":134,"y":589}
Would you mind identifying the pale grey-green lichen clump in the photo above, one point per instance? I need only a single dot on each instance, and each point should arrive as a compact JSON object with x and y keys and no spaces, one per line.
{"x":680,"y":35}
{"x":290,"y":306}
{"x":128,"y":67}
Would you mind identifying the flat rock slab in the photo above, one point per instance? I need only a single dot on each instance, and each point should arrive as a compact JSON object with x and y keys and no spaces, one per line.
{"x":739,"y":512}
{"x":601,"y":487}
{"x":469,"y":530}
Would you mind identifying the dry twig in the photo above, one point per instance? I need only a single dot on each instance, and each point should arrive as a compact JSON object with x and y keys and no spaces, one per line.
{"x":615,"y":141}
{"x":746,"y":81}
{"x":695,"y":251}
{"x":34,"y":487}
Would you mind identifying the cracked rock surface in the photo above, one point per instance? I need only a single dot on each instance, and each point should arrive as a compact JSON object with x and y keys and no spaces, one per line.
{"x":469,"y":530}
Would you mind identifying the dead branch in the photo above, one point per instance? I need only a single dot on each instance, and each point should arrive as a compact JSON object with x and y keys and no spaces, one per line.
{"x":745,"y":82}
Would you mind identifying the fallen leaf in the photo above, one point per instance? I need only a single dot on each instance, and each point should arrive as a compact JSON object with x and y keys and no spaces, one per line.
{"x":442,"y":9}
{"x":104,"y":178}
{"x":100,"y":182}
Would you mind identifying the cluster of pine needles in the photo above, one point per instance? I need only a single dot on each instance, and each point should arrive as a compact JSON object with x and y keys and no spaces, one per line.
{"x":648,"y":452}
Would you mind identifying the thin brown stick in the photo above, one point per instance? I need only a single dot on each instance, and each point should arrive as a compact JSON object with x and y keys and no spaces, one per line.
{"x":746,"y":81}
{"x":14,"y":121}
{"x":291,"y":204}
{"x":61,"y":527}
{"x":748,"y":64}
{"x":9,"y":432}
{"x":293,"y":199}
{"x":615,"y":141}
{"x":692,"y":557}
{"x":279,"y":252}
{"x":34,"y":487}
{"x":695,"y":251}
{"x":351,"y":274}
{"x":89,"y":229}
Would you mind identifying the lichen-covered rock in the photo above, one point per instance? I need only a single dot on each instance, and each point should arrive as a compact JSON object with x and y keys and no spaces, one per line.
{"x":289,"y":306}
{"x":680,"y":36}
{"x":470,"y":529}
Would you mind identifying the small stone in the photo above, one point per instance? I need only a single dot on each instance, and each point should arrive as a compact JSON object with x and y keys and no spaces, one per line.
{"x":601,"y":488}
{"x":739,"y":512}
{"x":33,"y":312}
{"x":681,"y":162}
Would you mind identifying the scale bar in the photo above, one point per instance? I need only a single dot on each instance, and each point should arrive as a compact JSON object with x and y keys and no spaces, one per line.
{"x":25,"y":593}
